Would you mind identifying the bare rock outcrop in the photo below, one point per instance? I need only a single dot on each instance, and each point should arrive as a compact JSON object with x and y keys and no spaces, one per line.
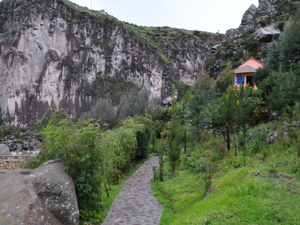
{"x":260,"y":27}
{"x":267,"y":34}
{"x":4,"y":150}
{"x":45,"y":195}
{"x":249,"y":16}
{"x":272,"y":137}
{"x":56,"y":53}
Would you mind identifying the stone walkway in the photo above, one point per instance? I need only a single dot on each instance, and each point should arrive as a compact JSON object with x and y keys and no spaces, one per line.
{"x":135,"y":204}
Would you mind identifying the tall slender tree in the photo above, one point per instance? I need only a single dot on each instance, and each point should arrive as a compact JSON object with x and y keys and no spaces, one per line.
{"x":174,"y":136}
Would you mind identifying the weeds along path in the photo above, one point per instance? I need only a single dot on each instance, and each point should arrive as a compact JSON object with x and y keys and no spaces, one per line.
{"x":135,"y":204}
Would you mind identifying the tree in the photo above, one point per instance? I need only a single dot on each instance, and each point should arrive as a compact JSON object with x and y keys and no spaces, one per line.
{"x":279,"y":80}
{"x":236,"y":109}
{"x":260,"y":79}
{"x":244,"y":114}
{"x":201,"y":97}
{"x":284,"y":93}
{"x":223,"y":112}
{"x":282,"y":54}
{"x":174,"y":136}
{"x":226,"y":79}
{"x":289,"y":45}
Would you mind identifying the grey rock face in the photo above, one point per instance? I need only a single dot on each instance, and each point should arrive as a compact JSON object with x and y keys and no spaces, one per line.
{"x":267,"y":34}
{"x":266,"y":10}
{"x":4,"y":150}
{"x":272,"y":137}
{"x":54,"y":55}
{"x":266,"y":13}
{"x":45,"y":195}
{"x":249,"y":15}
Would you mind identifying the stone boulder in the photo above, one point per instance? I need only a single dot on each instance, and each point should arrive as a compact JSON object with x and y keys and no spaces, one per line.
{"x":45,"y":195}
{"x":4,"y":150}
{"x":272,"y":137}
{"x":267,"y":34}
{"x":167,"y":101}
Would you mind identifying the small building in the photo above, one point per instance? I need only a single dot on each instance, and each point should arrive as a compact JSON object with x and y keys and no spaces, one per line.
{"x":244,"y":73}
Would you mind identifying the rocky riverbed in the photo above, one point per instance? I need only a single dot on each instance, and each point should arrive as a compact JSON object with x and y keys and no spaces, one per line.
{"x":16,"y":144}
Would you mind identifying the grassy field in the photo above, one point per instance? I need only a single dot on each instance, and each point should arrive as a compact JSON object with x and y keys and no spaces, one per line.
{"x":261,"y":188}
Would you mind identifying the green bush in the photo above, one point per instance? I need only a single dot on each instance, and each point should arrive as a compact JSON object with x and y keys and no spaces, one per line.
{"x":94,"y":158}
{"x":227,"y":78}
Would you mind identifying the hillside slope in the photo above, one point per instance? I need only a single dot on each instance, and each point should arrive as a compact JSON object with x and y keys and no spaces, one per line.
{"x":260,"y":27}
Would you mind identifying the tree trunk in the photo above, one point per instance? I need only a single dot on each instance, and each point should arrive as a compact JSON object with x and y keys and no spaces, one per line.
{"x":184,"y":140}
{"x":228,"y":138}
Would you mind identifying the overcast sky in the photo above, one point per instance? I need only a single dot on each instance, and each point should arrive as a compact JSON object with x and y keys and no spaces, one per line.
{"x":203,"y":15}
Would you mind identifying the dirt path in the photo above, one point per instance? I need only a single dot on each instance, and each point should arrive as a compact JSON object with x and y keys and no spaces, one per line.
{"x":135,"y":204}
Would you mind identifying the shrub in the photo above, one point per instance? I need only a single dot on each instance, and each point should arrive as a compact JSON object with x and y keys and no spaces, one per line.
{"x":226,"y":79}
{"x":94,"y":158}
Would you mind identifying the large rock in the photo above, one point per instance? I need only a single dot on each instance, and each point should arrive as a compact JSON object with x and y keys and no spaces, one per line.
{"x":4,"y":150}
{"x":45,"y":195}
{"x":272,"y":137}
{"x":267,"y":34}
{"x":249,"y":15}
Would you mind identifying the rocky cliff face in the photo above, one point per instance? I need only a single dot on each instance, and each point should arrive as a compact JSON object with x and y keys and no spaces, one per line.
{"x":56,"y":53}
{"x":268,"y":12}
{"x":260,"y":27}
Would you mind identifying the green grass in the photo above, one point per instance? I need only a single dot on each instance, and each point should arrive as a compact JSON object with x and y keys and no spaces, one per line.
{"x":246,"y":195}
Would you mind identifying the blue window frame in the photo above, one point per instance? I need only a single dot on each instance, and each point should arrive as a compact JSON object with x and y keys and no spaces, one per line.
{"x":240,"y":79}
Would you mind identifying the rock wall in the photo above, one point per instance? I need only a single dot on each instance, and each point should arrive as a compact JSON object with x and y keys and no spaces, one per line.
{"x":55,"y":53}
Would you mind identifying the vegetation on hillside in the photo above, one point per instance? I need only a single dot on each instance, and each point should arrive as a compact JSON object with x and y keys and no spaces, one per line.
{"x":94,"y":158}
{"x":244,"y":44}
{"x":234,"y":173}
{"x":223,"y":129}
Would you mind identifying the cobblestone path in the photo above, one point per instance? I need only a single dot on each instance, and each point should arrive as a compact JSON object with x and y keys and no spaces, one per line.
{"x":135,"y":204}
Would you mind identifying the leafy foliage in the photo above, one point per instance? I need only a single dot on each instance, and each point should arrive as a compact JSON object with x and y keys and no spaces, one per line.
{"x":200,"y":98}
{"x":223,"y":112}
{"x":174,"y":136}
{"x":282,"y":54}
{"x":289,"y":45}
{"x":94,"y":158}
{"x":226,"y":79}
{"x":284,"y":92}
